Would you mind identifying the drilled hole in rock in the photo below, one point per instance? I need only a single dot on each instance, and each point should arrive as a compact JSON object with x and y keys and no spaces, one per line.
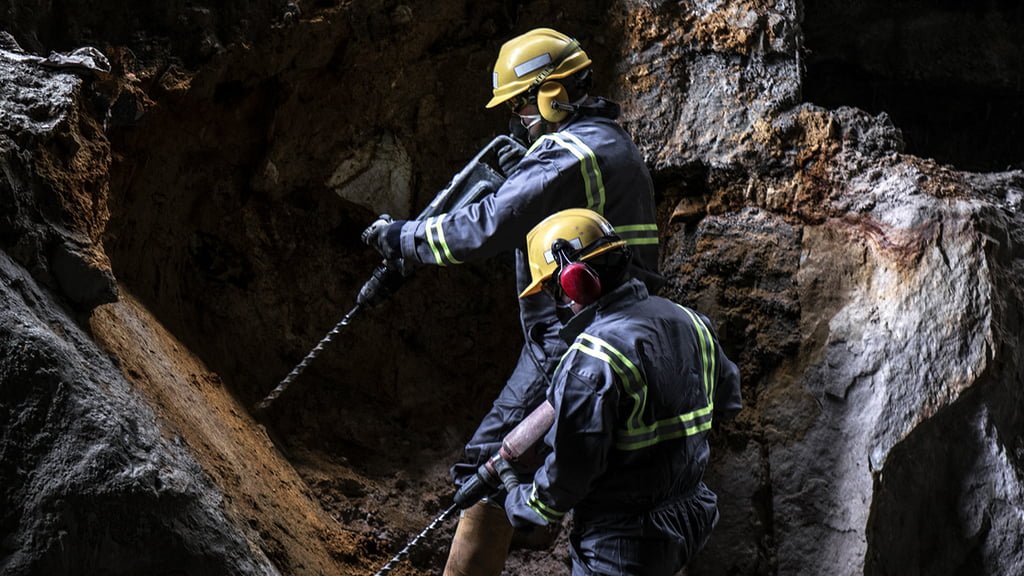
{"x":950,"y":74}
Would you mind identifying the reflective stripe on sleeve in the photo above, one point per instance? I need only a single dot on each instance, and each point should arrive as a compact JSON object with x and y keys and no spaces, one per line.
{"x":638,"y":234}
{"x":437,"y":243}
{"x":543,"y":510}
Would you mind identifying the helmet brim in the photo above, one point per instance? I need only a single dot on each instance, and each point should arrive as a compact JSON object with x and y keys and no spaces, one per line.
{"x":496,"y":101}
{"x":537,"y":285}
{"x":534,"y":288}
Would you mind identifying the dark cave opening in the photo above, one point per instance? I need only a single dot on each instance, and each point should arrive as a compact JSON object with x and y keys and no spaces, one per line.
{"x":950,"y":75}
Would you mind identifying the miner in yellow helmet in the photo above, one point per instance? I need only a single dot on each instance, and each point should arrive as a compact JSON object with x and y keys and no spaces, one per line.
{"x":579,"y":157}
{"x":634,"y":400}
{"x":543,"y":77}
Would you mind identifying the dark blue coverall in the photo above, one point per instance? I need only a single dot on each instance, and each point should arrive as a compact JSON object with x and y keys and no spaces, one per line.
{"x":634,"y":399}
{"x":590,"y":162}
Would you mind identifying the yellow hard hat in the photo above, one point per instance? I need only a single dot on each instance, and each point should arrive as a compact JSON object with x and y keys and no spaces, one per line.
{"x":583,"y":229}
{"x":526,"y":61}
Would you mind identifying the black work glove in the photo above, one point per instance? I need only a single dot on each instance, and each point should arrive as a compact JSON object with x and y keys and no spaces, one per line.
{"x":382,"y":284}
{"x":508,"y":158}
{"x":380,"y":236}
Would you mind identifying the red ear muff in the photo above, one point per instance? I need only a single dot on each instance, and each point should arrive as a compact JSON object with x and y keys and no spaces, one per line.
{"x":580,"y":283}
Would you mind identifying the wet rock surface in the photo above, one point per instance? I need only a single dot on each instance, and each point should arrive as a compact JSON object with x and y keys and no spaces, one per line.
{"x":227,"y":164}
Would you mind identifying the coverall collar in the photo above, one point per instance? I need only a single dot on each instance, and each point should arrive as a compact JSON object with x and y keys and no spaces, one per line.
{"x":629,"y":293}
{"x":594,"y":106}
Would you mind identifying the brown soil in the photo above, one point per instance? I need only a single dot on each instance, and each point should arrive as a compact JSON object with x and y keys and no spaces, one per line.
{"x":261,"y":490}
{"x":309,"y":511}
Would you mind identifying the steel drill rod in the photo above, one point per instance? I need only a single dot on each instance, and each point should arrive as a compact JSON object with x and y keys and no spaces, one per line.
{"x":412,"y":543}
{"x":266,"y":402}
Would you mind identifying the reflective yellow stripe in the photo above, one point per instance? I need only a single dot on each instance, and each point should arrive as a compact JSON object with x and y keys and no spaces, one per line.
{"x":665,"y":434}
{"x":636,"y":434}
{"x":636,"y":228}
{"x":437,"y":243}
{"x":593,"y":182}
{"x":583,"y":168}
{"x":444,"y":245}
{"x":595,"y":170}
{"x":430,"y":241}
{"x":543,"y":510}
{"x":536,"y":143}
{"x":638,"y":234}
{"x":708,"y":354}
{"x":636,"y":389}
{"x":682,"y":418}
{"x":668,"y":429}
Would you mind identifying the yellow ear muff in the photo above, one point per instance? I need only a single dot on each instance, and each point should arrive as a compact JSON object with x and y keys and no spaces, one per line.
{"x":550,"y":95}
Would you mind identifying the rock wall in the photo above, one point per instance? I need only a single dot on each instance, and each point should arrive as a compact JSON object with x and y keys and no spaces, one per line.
{"x":865,"y":294}
{"x":871,"y":297}
{"x":55,"y":162}
{"x":89,"y":484}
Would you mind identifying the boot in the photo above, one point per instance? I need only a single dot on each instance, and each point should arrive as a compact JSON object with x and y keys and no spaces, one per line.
{"x":481,"y":542}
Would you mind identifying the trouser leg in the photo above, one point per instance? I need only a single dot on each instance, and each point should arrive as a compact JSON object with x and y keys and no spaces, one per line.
{"x":481,"y":542}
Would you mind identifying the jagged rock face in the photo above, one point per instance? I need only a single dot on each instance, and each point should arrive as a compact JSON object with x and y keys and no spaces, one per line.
{"x":871,"y":298}
{"x":53,"y":195}
{"x":88,"y":484}
{"x":736,"y":63}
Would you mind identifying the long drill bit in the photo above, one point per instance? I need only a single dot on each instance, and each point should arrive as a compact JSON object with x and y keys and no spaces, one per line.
{"x":305,"y":361}
{"x":412,"y":543}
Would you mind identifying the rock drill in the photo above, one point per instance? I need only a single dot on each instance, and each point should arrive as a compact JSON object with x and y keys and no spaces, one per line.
{"x":480,"y":176}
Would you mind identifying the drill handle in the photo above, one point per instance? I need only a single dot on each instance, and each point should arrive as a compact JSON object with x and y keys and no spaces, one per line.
{"x":485,"y":482}
{"x":386,"y":278}
{"x":528,"y":432}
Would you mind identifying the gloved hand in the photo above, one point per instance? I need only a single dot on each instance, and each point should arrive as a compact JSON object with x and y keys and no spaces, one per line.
{"x":385,"y":279}
{"x":509,"y":156}
{"x":375,"y":236}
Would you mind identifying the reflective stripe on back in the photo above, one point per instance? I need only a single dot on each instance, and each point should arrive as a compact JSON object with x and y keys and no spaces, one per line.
{"x":707,"y":352}
{"x":593,"y":181}
{"x":632,"y":381}
{"x":638,"y":434}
